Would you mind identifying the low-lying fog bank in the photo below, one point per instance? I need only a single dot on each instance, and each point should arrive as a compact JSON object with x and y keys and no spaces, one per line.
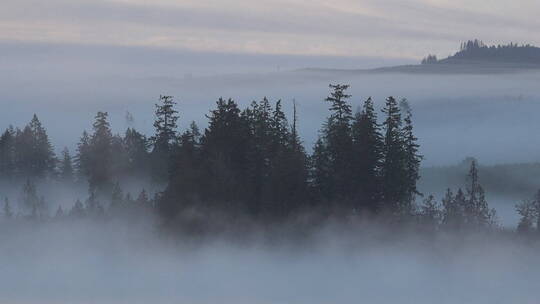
{"x":114,"y":262}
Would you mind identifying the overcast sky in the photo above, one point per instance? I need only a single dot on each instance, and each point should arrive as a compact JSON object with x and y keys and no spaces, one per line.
{"x":405,"y":29}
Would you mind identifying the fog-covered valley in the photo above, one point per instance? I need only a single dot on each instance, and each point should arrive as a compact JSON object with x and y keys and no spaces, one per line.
{"x":137,"y":254}
{"x":80,"y":262}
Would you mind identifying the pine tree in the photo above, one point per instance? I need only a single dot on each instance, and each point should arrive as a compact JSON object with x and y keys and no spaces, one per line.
{"x":66,"y":166}
{"x":100,"y":150}
{"x":164,"y":138}
{"x":43,"y":159}
{"x":412,"y":156}
{"x":367,"y":157}
{"x":477,"y":210}
{"x":34,"y":156}
{"x":333,"y":151}
{"x":393,"y":171}
{"x":83,"y":157}
{"x":165,"y":123}
{"x":225,"y":148}
{"x":136,"y":149}
{"x":7,"y":154}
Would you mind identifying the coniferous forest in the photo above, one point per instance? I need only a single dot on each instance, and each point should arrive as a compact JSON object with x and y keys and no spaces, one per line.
{"x":245,"y":165}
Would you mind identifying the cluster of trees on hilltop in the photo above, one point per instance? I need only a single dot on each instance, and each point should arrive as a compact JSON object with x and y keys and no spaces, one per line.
{"x":252,"y":161}
{"x":247,"y":162}
{"x":476,"y":50}
{"x":27,"y":152}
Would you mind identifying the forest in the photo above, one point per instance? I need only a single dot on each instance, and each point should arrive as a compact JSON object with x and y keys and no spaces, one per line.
{"x":476,"y":50}
{"x":245,"y":165}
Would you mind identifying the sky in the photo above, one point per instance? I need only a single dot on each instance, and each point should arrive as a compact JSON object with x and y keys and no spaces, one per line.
{"x":404,"y":29}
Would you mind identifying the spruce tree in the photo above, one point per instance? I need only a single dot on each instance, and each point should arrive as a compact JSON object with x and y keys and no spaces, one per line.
{"x":83,"y":157}
{"x":7,"y":154}
{"x":412,"y":156}
{"x":333,"y":151}
{"x":225,"y":148}
{"x":477,"y":210}
{"x":136,"y":148}
{"x":164,"y":137}
{"x":100,"y":157}
{"x":393,"y":171}
{"x":66,"y":166}
{"x":42,"y":159}
{"x":367,"y":158}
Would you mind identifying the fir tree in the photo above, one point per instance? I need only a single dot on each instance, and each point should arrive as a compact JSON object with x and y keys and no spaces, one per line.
{"x":7,"y":153}
{"x":477,"y":210}
{"x":66,"y":166}
{"x":164,"y":138}
{"x":100,"y":154}
{"x":412,"y":157}
{"x":83,"y":157}
{"x":393,"y":171}
{"x":367,"y":157}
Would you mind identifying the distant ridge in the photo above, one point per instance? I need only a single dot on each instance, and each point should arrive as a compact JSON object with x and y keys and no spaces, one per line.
{"x":477,"y":51}
{"x":474,"y":57}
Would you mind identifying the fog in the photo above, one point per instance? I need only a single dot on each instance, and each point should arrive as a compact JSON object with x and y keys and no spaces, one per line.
{"x":488,"y":116}
{"x":81,"y":262}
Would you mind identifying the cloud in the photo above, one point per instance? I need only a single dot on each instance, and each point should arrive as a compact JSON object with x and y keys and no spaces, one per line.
{"x":392,"y":28}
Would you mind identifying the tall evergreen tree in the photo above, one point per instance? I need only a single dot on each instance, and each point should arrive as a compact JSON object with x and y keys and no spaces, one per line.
{"x":7,"y":154}
{"x":164,"y":138}
{"x":367,"y":157}
{"x":83,"y":157}
{"x":225,"y":147}
{"x":136,"y":147}
{"x":333,"y":151}
{"x":477,"y":210}
{"x":99,"y":170}
{"x":393,"y":171}
{"x":34,"y":156}
{"x":66,"y":166}
{"x":412,"y":157}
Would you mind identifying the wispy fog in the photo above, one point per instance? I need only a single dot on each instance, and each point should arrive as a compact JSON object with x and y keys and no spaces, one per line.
{"x":83,"y":262}
{"x":489,"y":116}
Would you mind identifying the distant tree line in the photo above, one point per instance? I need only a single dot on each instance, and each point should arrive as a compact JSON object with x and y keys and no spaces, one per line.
{"x":476,"y":50}
{"x":247,"y":162}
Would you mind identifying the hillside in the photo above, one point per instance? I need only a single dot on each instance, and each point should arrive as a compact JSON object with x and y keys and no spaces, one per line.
{"x":476,"y":51}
